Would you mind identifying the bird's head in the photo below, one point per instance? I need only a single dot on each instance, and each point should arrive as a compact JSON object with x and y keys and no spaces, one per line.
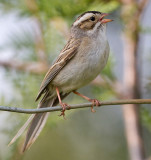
{"x":89,"y":23}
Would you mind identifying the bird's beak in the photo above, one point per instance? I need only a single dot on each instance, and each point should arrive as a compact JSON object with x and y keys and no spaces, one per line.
{"x":105,"y":20}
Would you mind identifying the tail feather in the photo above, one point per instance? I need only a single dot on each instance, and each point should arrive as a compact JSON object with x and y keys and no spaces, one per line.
{"x":37,"y":124}
{"x":35,"y":129}
{"x":21,"y":130}
{"x":37,"y":120}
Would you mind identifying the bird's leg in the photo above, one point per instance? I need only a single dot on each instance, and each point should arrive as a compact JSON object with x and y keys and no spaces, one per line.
{"x":63,"y":105}
{"x":95,"y":102}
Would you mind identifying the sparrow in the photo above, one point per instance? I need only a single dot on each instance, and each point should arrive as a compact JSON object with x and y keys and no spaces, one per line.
{"x":81,"y":60}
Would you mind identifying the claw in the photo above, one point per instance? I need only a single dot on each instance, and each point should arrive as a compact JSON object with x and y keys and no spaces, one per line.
{"x":92,"y":110}
{"x":62,"y":114}
{"x":95,"y":102}
{"x":64,"y":106}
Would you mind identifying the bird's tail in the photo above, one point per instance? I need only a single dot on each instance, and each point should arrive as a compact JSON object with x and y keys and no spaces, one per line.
{"x":37,"y":120}
{"x":37,"y":124}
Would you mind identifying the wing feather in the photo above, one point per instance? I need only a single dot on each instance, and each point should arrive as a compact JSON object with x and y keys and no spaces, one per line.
{"x":65,"y":56}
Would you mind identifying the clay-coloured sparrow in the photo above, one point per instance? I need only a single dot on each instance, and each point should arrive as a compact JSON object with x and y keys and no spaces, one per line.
{"x":81,"y":60}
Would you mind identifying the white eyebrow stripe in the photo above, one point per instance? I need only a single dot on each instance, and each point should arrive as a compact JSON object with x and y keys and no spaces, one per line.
{"x":84,"y":17}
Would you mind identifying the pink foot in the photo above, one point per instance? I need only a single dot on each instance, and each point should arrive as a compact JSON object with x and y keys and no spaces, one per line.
{"x":95,"y":102}
{"x":64,"y":106}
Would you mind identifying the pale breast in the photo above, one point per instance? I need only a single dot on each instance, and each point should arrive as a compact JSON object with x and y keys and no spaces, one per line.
{"x":84,"y":67}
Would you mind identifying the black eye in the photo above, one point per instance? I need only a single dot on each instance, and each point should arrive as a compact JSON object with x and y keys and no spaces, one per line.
{"x":92,"y":18}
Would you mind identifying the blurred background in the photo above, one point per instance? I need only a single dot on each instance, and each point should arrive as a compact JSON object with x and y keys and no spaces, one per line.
{"x":32,"y":34}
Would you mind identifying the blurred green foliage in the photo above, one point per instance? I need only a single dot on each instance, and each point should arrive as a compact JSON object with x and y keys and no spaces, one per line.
{"x":146,"y":118}
{"x":49,"y":8}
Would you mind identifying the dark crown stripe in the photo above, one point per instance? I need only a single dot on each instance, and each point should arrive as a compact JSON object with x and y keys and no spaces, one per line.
{"x":94,"y":12}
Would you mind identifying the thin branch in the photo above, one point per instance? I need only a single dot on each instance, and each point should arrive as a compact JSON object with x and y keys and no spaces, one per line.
{"x":85,"y":105}
{"x":113,"y":85}
{"x":32,"y":67}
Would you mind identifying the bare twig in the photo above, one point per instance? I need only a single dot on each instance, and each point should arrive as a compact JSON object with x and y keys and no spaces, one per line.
{"x":85,"y":105}
{"x":114,"y":85}
{"x":32,"y":67}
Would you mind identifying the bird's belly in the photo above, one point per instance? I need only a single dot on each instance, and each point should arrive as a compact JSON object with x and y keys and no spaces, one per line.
{"x":80,"y":71}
